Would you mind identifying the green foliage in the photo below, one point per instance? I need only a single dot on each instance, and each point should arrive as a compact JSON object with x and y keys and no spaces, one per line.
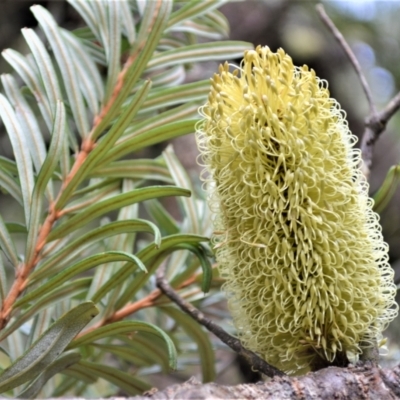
{"x":78,"y":295}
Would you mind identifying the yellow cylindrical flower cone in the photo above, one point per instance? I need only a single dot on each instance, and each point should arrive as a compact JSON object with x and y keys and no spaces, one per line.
{"x":306,"y":267}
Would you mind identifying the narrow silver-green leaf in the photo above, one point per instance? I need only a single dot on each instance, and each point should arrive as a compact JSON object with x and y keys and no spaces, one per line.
{"x":224,"y":50}
{"x":175,"y":114}
{"x":385,"y":193}
{"x":161,"y":97}
{"x":217,"y":20}
{"x":193,"y":8}
{"x":125,"y":353}
{"x":90,"y":81}
{"x":48,"y":347}
{"x":105,"y":143}
{"x":45,"y":67}
{"x":162,"y":217}
{"x":85,"y":10}
{"x":127,"y":382}
{"x":122,"y":327}
{"x":69,"y":290}
{"x":63,"y":362}
{"x":95,"y":235}
{"x":8,"y":166}
{"x":78,"y":268}
{"x":3,"y":282}
{"x":67,"y":67}
{"x":114,"y":203}
{"x":29,"y":75}
{"x":109,"y":15}
{"x":128,"y":22}
{"x":151,"y":29}
{"x":153,"y":136}
{"x":204,"y":259}
{"x":78,"y":371}
{"x":46,"y":171}
{"x":182,"y":179}
{"x":201,"y":338}
{"x":27,"y":119}
{"x":168,"y":245}
{"x":8,"y":183}
{"x":135,"y":169}
{"x":21,"y":153}
{"x":7,"y":244}
{"x":172,"y":77}
{"x":15,"y":227}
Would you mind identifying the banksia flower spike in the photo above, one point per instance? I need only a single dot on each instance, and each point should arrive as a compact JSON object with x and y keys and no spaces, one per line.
{"x":306,"y":267}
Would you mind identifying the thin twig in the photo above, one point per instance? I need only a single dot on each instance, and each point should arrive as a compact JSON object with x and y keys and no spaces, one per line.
{"x":376,"y":122}
{"x":349,"y":53}
{"x":253,"y":359}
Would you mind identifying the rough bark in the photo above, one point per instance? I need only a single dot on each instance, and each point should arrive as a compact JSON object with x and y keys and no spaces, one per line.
{"x":355,"y":382}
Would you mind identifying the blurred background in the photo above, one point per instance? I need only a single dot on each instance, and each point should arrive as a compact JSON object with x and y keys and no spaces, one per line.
{"x":371,"y":28}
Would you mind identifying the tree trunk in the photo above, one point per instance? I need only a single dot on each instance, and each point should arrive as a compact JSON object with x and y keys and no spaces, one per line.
{"x":355,"y":382}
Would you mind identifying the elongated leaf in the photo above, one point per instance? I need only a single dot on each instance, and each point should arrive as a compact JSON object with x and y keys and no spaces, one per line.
{"x":173,"y":76}
{"x":192,"y":9}
{"x":108,"y":15}
{"x":66,"y":65}
{"x":48,"y":347}
{"x":69,"y":290}
{"x":8,"y":166}
{"x":27,"y":119}
{"x":200,"y":52}
{"x":95,"y":235}
{"x":385,"y":193}
{"x":86,"y":11}
{"x":182,"y":179}
{"x":21,"y":152}
{"x":158,"y":98}
{"x":128,"y":22}
{"x":114,"y":203}
{"x":105,"y":144}
{"x":168,"y":245}
{"x":15,"y":345}
{"x":148,"y":347}
{"x":78,"y":268}
{"x":175,"y":114}
{"x":29,"y":75}
{"x":201,"y":338}
{"x":122,"y":242}
{"x":122,"y":327}
{"x":199,"y":29}
{"x":3,"y":282}
{"x":78,"y":371}
{"x":204,"y":259}
{"x":63,"y":362}
{"x":9,"y":185}
{"x":149,"y":138}
{"x":15,"y":227}
{"x":218,"y":22}
{"x":46,"y":171}
{"x":88,"y":75}
{"x":162,"y":217}
{"x":135,"y":169}
{"x":45,"y":67}
{"x":7,"y":244}
{"x":127,"y":382}
{"x":125,"y":353}
{"x":151,"y":29}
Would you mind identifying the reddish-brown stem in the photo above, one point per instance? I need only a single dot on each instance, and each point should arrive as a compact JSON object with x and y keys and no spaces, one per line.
{"x":131,"y":308}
